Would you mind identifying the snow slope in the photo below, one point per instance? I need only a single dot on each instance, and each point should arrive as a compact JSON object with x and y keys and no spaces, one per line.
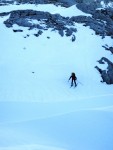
{"x":38,"y":109}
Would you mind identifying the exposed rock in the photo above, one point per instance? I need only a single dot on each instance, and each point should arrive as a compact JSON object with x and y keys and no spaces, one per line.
{"x":87,"y":7}
{"x":108,"y":48}
{"x":107,"y":75}
{"x":4,"y":13}
{"x":61,"y":32}
{"x":69,"y":32}
{"x":26,"y":36}
{"x":38,"y":33}
{"x":45,"y":21}
{"x":48,"y":37}
{"x":81,"y":19}
{"x":65,"y":3}
{"x":73,"y":38}
{"x":17,"y":30}
{"x":98,"y":26}
{"x":102,"y":19}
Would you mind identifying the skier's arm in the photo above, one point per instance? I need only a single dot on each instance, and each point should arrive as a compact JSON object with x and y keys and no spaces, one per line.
{"x":69,"y":78}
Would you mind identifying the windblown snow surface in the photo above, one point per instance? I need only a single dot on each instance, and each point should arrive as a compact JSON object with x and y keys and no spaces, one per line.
{"x":38,"y":109}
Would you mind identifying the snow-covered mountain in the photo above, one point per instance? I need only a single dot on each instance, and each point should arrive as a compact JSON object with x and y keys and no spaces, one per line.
{"x":41,"y":45}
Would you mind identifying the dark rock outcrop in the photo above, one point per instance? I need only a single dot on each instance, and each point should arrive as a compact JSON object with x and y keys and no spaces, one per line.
{"x":45,"y":21}
{"x":17,"y":30}
{"x":102,"y":19}
{"x":38,"y":33}
{"x":107,"y":75}
{"x":87,"y":7}
{"x":65,"y":3}
{"x":108,"y":48}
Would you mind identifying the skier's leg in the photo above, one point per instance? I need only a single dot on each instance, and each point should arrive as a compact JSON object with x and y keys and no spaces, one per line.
{"x":72,"y":83}
{"x":75,"y":82}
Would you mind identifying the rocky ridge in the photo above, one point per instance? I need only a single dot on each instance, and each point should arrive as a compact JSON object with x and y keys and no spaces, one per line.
{"x":101,"y":22}
{"x":44,"y":20}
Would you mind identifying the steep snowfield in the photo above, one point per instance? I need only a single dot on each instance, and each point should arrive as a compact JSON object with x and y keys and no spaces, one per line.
{"x":38,"y":109}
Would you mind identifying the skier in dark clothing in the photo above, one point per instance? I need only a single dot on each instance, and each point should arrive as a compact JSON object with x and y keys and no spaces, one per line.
{"x":73,"y":79}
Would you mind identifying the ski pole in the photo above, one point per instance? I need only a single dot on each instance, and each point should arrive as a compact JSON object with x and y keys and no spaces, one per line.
{"x":79,"y":82}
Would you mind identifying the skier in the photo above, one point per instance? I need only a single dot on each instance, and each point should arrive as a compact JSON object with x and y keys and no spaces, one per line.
{"x":73,"y":79}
